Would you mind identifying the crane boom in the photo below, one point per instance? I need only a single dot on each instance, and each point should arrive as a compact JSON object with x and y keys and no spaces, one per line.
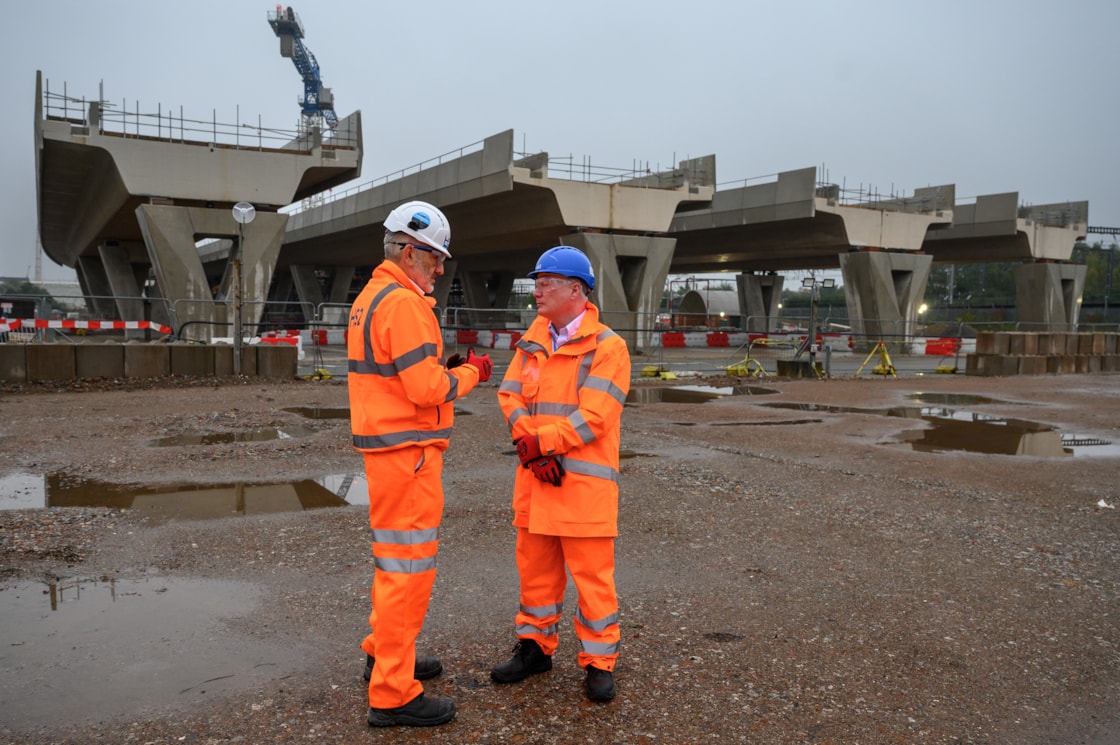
{"x":318,"y":101}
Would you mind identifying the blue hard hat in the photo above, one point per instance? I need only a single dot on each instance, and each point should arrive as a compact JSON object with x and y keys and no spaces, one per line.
{"x":566,"y":261}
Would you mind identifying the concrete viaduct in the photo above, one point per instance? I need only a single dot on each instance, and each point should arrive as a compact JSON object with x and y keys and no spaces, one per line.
{"x":119,"y":207}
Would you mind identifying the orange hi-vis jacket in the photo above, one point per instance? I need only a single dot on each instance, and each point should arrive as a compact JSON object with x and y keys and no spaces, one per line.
{"x":400,"y":392}
{"x":572,"y":400}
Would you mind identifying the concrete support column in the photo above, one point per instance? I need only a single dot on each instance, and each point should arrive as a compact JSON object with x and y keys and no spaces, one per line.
{"x":116,"y":263}
{"x":630,"y":272}
{"x":759,"y":297}
{"x":485,"y":290}
{"x":95,"y":284}
{"x":170,"y":234}
{"x":1048,"y":295}
{"x":331,"y":309}
{"x":883,"y":290}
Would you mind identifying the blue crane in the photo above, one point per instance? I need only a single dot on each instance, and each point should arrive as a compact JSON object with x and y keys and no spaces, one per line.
{"x":318,"y":101}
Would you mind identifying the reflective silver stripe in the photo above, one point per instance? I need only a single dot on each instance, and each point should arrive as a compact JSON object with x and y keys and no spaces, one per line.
{"x":542,"y":611}
{"x":606,"y":386}
{"x":601,"y":624}
{"x":600,"y":649}
{"x":531,"y":347}
{"x":516,"y":414}
{"x":586,"y":468}
{"x":510,"y":386}
{"x":604,"y":335}
{"x":367,"y":365}
{"x":582,"y":428}
{"x":453,"y":391}
{"x":584,"y":369}
{"x":554,"y":409}
{"x":379,"y":442}
{"x":415,"y":356}
{"x":404,"y":566}
{"x":404,"y":537}
{"x":524,"y":630}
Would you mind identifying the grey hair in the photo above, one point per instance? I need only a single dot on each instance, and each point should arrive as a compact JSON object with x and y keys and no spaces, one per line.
{"x":392,"y":247}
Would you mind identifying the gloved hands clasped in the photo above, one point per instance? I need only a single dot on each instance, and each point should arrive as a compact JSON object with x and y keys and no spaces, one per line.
{"x":545,"y":467}
{"x":481,"y":363}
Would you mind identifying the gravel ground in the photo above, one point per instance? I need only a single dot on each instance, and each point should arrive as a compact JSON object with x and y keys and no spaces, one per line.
{"x":785,"y":576}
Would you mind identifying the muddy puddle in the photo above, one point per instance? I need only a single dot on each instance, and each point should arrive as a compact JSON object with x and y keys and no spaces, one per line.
{"x":164,"y":502}
{"x":75,"y":651}
{"x":691,"y":394}
{"x":951,"y":429}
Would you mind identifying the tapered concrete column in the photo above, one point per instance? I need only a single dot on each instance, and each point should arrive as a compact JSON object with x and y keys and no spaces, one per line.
{"x":759,"y":296}
{"x":883,"y":290}
{"x":311,"y":298}
{"x":1048,"y":295}
{"x":630,"y":272}
{"x":116,"y":262}
{"x":95,"y":284}
{"x":485,"y":290}
{"x":170,"y":234}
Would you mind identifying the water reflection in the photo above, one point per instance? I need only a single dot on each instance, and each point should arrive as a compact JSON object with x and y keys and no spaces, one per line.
{"x":952,"y":429}
{"x":691,"y":394}
{"x":222,"y":438}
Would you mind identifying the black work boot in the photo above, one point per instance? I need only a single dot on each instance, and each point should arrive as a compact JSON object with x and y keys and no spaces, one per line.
{"x":426,"y":668}
{"x":422,"y":711}
{"x":600,"y":684}
{"x":528,"y":659}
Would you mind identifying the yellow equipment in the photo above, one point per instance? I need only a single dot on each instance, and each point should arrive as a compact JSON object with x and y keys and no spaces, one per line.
{"x":885,"y":366}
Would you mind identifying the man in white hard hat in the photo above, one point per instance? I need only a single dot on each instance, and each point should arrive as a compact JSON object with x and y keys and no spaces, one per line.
{"x":401,"y":416}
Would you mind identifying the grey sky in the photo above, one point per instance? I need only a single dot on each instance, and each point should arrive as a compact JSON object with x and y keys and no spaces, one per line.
{"x":992,"y":96}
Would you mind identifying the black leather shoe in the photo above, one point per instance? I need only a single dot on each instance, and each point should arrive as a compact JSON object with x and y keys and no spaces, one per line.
{"x":426,"y":668}
{"x":528,"y":659}
{"x":600,"y":684}
{"x":422,"y":711}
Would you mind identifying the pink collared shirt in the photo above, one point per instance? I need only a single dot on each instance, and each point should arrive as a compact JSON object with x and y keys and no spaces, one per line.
{"x":563,"y":335}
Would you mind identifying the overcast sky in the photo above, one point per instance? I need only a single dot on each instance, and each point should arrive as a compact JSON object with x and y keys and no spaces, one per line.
{"x":991,"y":95}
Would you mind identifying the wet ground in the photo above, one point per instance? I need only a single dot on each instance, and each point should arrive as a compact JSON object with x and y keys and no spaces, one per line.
{"x":798,"y":563}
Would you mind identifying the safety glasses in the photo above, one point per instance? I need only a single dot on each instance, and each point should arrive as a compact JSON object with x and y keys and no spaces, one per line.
{"x":440,"y":258}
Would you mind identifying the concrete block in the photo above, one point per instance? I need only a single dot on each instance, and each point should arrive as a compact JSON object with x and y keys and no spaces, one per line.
{"x":1032,"y":364}
{"x":972,"y":364}
{"x":1081,"y":364}
{"x":1098,"y":343}
{"x":1001,"y":342}
{"x":223,"y":360}
{"x":1111,"y":343}
{"x":13,"y":363}
{"x":1071,"y":344}
{"x":1084,"y":343}
{"x":1030,"y":343}
{"x":1008,"y":365}
{"x":1110,"y":363}
{"x":147,"y":360}
{"x":191,"y":359}
{"x":1069,"y":364}
{"x":99,"y":360}
{"x":1016,"y":343}
{"x":985,"y":342}
{"x":1056,"y":344}
{"x":50,"y":362}
{"x":277,"y":361}
{"x":1054,"y":364}
{"x":1093,"y":363}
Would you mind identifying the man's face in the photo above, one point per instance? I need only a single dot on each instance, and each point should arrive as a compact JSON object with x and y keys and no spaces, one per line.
{"x":556,"y":296}
{"x":422,"y":265}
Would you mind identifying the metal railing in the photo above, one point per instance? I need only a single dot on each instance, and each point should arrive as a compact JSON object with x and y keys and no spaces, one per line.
{"x":106,"y":118}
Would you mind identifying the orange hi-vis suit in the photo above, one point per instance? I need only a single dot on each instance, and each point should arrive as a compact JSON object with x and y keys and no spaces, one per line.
{"x":401,"y":414}
{"x":572,"y":400}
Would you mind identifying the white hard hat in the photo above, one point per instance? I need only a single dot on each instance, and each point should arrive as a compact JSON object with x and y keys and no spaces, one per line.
{"x":422,"y":221}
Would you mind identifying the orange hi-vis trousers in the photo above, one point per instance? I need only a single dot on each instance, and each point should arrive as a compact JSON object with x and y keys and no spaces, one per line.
{"x":405,"y":507}
{"x":540,"y":562}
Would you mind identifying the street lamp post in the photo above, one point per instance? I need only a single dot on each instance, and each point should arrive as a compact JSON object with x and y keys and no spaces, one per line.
{"x":243,"y":213}
{"x":814,"y":285}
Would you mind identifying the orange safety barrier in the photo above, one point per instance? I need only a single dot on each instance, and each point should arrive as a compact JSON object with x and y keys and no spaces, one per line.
{"x":463,"y":336}
{"x":717,"y":339}
{"x":942,"y":347}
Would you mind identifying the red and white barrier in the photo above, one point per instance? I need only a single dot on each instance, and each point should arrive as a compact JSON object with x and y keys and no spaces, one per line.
{"x":26,"y":324}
